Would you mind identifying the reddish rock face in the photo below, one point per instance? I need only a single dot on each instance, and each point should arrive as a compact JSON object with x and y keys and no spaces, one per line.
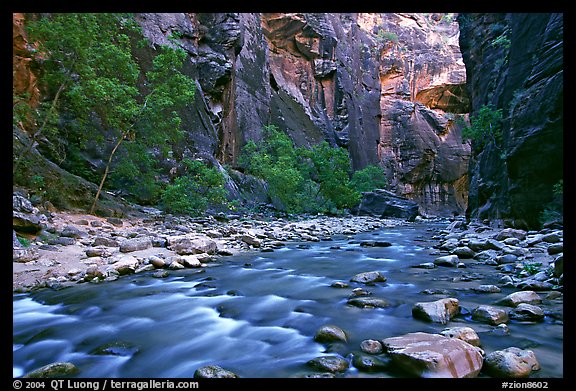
{"x":388,"y":87}
{"x":433,"y":355}
{"x":24,"y":81}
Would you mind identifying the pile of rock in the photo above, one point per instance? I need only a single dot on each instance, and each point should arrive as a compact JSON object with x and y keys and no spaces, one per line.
{"x":53,"y":249}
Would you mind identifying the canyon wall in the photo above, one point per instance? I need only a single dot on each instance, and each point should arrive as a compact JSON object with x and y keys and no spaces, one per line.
{"x":515,"y":62}
{"x":388,"y":87}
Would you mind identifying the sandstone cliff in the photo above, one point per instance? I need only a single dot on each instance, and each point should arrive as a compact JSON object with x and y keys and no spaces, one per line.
{"x":515,"y":62}
{"x":388,"y":87}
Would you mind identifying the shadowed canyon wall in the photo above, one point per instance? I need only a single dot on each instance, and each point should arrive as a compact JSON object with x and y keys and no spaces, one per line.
{"x":515,"y":63}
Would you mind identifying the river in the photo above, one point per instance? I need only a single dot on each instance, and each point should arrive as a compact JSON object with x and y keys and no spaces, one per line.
{"x":256,"y":313}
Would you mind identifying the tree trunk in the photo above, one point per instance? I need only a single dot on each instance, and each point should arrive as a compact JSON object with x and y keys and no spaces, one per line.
{"x":106,"y":170}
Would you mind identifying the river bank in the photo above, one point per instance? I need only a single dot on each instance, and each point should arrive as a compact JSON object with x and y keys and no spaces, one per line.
{"x":76,"y":248}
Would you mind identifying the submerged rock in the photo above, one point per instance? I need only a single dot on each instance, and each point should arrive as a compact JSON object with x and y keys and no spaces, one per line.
{"x":57,"y":369}
{"x":214,"y":371}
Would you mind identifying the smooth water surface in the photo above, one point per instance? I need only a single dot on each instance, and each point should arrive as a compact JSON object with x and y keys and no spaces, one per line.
{"x":256,"y":313}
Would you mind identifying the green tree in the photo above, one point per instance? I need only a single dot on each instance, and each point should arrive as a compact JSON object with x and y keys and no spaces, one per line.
{"x":192,"y":192}
{"x":486,"y":126}
{"x":88,"y":62}
{"x":369,"y":178}
{"x":331,"y":169}
{"x":301,"y":179}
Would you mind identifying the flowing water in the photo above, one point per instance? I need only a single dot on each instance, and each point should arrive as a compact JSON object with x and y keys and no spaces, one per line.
{"x":256,"y":313}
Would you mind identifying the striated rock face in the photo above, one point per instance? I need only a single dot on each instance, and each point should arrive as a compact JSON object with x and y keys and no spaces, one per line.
{"x":515,"y":62}
{"x":388,"y":87}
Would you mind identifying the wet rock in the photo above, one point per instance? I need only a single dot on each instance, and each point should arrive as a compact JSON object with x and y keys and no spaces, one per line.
{"x":125,"y":349}
{"x":371,"y":346}
{"x":490,"y":314}
{"x":330,"y":333}
{"x":332,"y":364}
{"x":511,"y":362}
{"x":135,"y":244}
{"x":516,"y":298}
{"x":339,"y":284}
{"x":213,"y":372}
{"x":439,"y":311}
{"x":375,"y":243}
{"x":487,"y":289}
{"x":57,"y":369}
{"x":369,"y":363}
{"x":448,"y":260}
{"x":433,"y":355}
{"x":466,"y":334}
{"x":368,"y":277}
{"x":368,"y":302}
{"x":527,"y":312}
{"x":425,"y":265}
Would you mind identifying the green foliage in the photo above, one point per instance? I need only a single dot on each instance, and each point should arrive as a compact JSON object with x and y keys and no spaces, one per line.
{"x":94,"y":79}
{"x":531,"y":267}
{"x":501,"y":41}
{"x":486,"y":126}
{"x":385,"y":37}
{"x":554,"y":210}
{"x":23,"y":241}
{"x":368,"y":179}
{"x":194,"y":191}
{"x":300,"y":180}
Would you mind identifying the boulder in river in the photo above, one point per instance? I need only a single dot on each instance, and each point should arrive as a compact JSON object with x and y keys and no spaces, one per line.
{"x":466,"y":334}
{"x":490,"y":314}
{"x":516,"y":298}
{"x":330,"y":364}
{"x":330,"y":333}
{"x":369,"y":277}
{"x":368,"y":302}
{"x":433,"y":355}
{"x":527,"y":312}
{"x":383,"y":203}
{"x":511,"y":362}
{"x":439,"y":311}
{"x":447,"y":260}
